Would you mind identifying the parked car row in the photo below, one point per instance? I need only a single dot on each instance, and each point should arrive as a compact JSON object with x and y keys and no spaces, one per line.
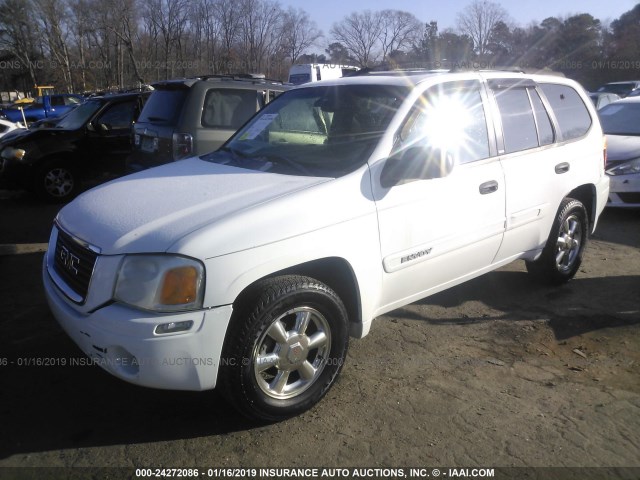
{"x":188,"y":117}
{"x":94,"y":141}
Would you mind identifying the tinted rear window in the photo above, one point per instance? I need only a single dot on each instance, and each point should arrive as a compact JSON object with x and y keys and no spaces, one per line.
{"x":164,"y":107}
{"x":572,"y":114}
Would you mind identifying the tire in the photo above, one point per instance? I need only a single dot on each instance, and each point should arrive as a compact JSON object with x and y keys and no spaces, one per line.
{"x":56,"y":182}
{"x":562,"y":254}
{"x":285,"y":349}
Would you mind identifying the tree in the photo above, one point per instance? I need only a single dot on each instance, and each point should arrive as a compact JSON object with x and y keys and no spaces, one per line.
{"x":478,"y":20}
{"x":625,"y":35}
{"x":229,"y":17}
{"x":338,"y":54}
{"x":260,"y":31}
{"x":169,"y":18}
{"x":51,"y":16}
{"x":19,"y":34}
{"x":400,"y":30}
{"x":454,"y":49}
{"x":359,"y":33}
{"x":446,"y":49}
{"x":299,"y":32}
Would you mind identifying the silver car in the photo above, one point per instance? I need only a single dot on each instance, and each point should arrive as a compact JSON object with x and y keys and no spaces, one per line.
{"x":621,"y":124}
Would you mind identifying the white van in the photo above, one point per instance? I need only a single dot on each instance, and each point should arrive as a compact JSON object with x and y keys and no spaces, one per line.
{"x":314,"y":72}
{"x":247,"y":269}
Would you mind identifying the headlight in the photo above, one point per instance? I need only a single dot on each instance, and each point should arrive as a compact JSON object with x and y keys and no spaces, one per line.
{"x":11,"y":153}
{"x":163,"y":283}
{"x":626,"y":168}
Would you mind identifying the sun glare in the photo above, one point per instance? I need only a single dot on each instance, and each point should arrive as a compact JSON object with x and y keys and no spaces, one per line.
{"x":445,"y":123}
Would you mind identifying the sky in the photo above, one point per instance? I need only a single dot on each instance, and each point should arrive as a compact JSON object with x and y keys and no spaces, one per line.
{"x":327,"y":12}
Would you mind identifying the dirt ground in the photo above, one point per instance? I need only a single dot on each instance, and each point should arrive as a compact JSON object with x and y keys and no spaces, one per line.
{"x":499,"y":372}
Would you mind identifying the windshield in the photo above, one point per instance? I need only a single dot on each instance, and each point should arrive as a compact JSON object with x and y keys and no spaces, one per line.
{"x":621,"y":118}
{"x":324,"y":131}
{"x":79,"y":116}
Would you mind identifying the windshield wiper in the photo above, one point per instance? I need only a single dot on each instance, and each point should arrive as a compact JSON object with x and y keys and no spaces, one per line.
{"x":281,"y":159}
{"x":234,"y":152}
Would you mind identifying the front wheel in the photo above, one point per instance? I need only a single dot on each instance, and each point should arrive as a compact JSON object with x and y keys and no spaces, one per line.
{"x":285,"y":349}
{"x":562,"y":254}
{"x":56,"y":182}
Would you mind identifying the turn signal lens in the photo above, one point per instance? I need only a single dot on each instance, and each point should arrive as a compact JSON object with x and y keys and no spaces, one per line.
{"x":180,"y":286}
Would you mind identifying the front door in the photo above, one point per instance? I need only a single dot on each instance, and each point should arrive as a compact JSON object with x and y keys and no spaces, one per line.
{"x":109,"y":137}
{"x":440,"y":231}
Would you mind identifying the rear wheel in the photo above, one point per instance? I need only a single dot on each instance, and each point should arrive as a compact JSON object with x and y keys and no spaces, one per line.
{"x":284,"y":351}
{"x":562,"y":254}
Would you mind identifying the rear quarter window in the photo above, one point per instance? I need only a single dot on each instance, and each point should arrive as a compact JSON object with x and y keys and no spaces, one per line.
{"x":573,"y":117}
{"x":228,"y":108}
{"x":518,"y":123}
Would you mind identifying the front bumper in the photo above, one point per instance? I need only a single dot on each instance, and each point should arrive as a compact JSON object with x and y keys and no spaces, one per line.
{"x":122,"y":341}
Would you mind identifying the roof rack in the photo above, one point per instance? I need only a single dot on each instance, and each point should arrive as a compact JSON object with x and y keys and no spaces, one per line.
{"x":407,"y":71}
{"x":255,"y":77}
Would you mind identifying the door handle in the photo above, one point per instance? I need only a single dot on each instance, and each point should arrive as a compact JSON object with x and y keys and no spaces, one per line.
{"x":488,"y":187}
{"x":562,"y":168}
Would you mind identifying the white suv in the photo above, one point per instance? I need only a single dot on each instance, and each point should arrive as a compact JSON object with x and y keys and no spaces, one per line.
{"x":250,"y":267}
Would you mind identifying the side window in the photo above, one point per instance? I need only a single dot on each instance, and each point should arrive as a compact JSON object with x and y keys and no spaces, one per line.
{"x":518,"y":123}
{"x":71,"y":101}
{"x":118,"y":116}
{"x":570,"y":111}
{"x":450,"y":118}
{"x":57,"y":101}
{"x":545,"y":129}
{"x":228,"y":108}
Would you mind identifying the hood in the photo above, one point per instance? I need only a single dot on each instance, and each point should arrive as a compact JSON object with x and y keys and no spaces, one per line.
{"x":621,"y":148}
{"x":151,"y":210}
{"x":27,"y":135}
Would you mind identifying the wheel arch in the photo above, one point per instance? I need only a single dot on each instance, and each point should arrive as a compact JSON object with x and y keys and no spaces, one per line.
{"x":336,"y":273}
{"x":587,"y":195}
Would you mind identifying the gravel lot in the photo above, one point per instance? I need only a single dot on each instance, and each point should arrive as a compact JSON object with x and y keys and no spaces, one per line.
{"x":499,"y":372}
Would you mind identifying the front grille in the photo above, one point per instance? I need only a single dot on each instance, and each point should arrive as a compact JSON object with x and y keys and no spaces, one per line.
{"x":629,"y":197}
{"x":74,"y":263}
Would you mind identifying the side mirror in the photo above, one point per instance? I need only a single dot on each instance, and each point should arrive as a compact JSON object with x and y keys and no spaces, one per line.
{"x":415,"y":163}
{"x":97,"y":127}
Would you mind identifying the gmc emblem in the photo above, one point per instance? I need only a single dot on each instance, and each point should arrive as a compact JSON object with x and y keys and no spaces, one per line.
{"x":69,"y":260}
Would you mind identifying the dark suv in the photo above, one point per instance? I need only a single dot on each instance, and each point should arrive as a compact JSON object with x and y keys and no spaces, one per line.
{"x":91,"y":142}
{"x":197,"y":115}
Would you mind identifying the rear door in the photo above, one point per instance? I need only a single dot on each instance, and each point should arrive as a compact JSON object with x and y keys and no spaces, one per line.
{"x":440,"y":231}
{"x":537,"y":156}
